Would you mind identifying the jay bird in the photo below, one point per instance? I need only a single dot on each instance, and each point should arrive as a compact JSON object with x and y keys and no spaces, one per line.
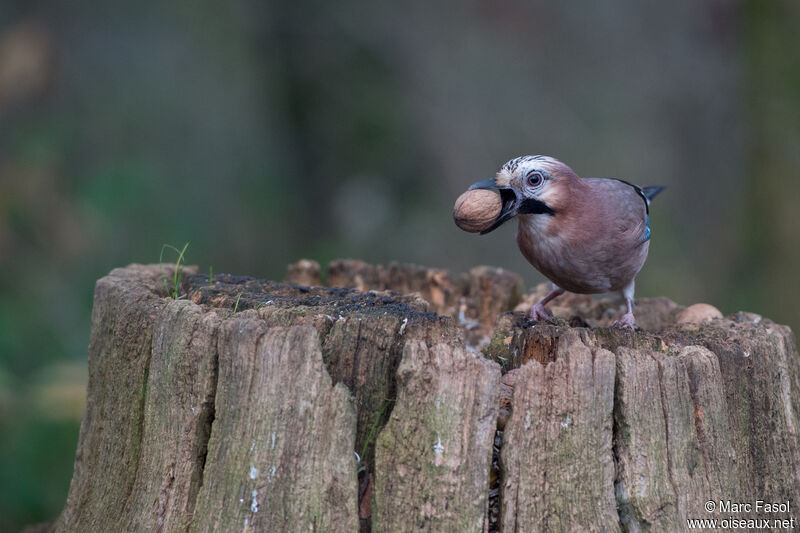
{"x":586,"y":235}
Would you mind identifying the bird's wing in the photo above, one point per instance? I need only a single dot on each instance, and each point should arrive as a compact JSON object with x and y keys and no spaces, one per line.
{"x":641,"y":192}
{"x":625,"y":206}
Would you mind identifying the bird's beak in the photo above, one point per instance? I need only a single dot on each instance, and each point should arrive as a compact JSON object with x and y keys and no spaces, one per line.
{"x":508,"y":197}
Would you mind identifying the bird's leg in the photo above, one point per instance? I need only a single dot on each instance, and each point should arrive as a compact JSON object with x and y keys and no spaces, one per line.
{"x":539,"y":311}
{"x":627,"y":320}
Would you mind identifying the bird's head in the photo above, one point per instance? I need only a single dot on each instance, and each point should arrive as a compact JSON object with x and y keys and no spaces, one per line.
{"x":529,"y":185}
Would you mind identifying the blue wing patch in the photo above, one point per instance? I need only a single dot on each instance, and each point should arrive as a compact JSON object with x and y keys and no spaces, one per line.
{"x":646,"y":236}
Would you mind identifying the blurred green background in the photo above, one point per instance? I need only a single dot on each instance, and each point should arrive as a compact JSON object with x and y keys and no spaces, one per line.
{"x":263,"y":132}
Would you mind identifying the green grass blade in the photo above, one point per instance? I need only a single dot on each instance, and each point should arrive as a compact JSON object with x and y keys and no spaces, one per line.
{"x":374,"y":427}
{"x":177,"y":275}
{"x":176,"y":278}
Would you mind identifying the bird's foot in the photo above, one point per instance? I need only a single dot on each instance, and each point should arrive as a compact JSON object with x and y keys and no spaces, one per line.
{"x":627,"y":321}
{"x":539,"y":312}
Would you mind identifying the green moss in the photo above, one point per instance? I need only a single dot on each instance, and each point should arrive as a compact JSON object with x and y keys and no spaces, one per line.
{"x":497,"y":350}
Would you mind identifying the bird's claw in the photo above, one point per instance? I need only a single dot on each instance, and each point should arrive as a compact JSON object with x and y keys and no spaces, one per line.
{"x":627,"y":322}
{"x":540,"y":313}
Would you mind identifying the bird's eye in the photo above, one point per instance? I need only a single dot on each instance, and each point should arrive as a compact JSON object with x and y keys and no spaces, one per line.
{"x":534,"y":179}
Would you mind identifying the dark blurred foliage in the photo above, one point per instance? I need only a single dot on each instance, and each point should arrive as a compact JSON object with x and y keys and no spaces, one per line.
{"x":263,"y":132}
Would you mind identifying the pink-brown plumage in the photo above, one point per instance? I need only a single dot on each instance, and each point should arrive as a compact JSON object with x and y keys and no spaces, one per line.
{"x":593,"y":243}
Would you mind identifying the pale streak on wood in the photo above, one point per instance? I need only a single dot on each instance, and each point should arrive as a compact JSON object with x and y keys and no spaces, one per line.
{"x":280,"y":456}
{"x":433,"y":456}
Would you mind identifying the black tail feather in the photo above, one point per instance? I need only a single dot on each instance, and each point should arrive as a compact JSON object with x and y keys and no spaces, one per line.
{"x":652,"y":191}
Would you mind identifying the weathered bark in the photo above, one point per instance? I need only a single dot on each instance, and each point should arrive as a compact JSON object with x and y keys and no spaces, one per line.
{"x":260,"y":406}
{"x":280,"y":457}
{"x":432,"y":457}
{"x":557,"y":455}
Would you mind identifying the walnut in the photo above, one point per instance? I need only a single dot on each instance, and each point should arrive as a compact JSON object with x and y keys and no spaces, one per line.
{"x":476,"y":210}
{"x":698,"y":313}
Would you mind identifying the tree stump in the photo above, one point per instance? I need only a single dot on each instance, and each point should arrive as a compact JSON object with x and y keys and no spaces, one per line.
{"x":403,"y":398}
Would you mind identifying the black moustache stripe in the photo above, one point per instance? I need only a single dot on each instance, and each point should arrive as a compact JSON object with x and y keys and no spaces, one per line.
{"x":532,"y":206}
